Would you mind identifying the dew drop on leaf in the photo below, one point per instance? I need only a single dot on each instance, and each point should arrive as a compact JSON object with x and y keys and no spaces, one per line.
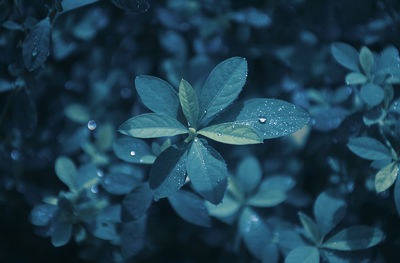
{"x":132,"y":153}
{"x":94,"y":189}
{"x":91,"y":125}
{"x":219,"y":134}
{"x":100,"y":173}
{"x":262,"y":120}
{"x":34,"y":52}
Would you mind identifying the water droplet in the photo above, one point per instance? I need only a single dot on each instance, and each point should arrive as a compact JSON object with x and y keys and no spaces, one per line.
{"x":94,"y":189}
{"x":100,"y":173}
{"x":132,"y":153}
{"x":14,"y":155}
{"x":262,"y":120}
{"x":196,"y":140}
{"x":34,"y":52}
{"x":219,"y":134}
{"x":91,"y":125}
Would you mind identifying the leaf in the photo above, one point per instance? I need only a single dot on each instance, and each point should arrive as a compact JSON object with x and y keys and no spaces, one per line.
{"x":396,"y":195}
{"x":189,"y":103}
{"x":105,"y":137}
{"x":136,"y":203}
{"x":355,"y":238}
{"x":329,"y":210}
{"x":366,"y":60}
{"x":290,"y":239}
{"x":304,"y":254}
{"x":272,"y":191}
{"x":86,"y":176}
{"x":11,"y":25}
{"x":270,"y":253}
{"x":355,"y":78}
{"x":42,"y":214}
{"x":369,"y":148}
{"x":103,"y":230}
{"x":137,"y":6}
{"x":254,"y":231}
{"x":168,"y":173}
{"x":345,"y":55}
{"x":222,"y":87}
{"x":386,"y":177}
{"x":133,"y":150}
{"x":5,"y":85}
{"x":133,"y":237}
{"x":249,"y":173}
{"x":311,"y":228}
{"x":231,"y":133}
{"x":271,"y":118}
{"x":190,"y":207}
{"x":152,"y":125}
{"x":119,"y":183}
{"x":66,"y":171}
{"x":36,"y":45}
{"x":77,"y":113}
{"x":68,"y":5}
{"x":226,"y":208}
{"x":61,"y":234}
{"x":207,"y":171}
{"x":157,"y":95}
{"x":329,"y":119}
{"x":372,"y":94}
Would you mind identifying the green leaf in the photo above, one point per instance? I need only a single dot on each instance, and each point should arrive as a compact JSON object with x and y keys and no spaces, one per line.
{"x":345,"y":55}
{"x":226,"y":208}
{"x":168,"y":173}
{"x":189,"y":103}
{"x":152,"y":125}
{"x":136,"y":203}
{"x":157,"y":95}
{"x":133,"y":150}
{"x":369,"y":148}
{"x":77,"y":113}
{"x":329,"y":210}
{"x":254,"y":231}
{"x":61,"y":234}
{"x":133,"y":237}
{"x":66,"y":171}
{"x":222,"y":87}
{"x":249,"y":173}
{"x":231,"y":133}
{"x":41,"y":215}
{"x":386,"y":177}
{"x":271,"y":118}
{"x":311,"y":228}
{"x":372,"y":94}
{"x":119,"y":183}
{"x":355,"y":78}
{"x":190,"y":207}
{"x":36,"y":45}
{"x":272,"y":191}
{"x":355,"y":238}
{"x":366,"y":60}
{"x":207,"y":171}
{"x":303,"y":254}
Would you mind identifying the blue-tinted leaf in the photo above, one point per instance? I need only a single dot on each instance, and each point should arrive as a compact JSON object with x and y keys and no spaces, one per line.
{"x":136,"y":6}
{"x":329,"y":210}
{"x":388,"y":62}
{"x":270,"y":253}
{"x":36,"y":45}
{"x":366,"y":60}
{"x":355,"y":78}
{"x":42,"y":214}
{"x":61,"y":234}
{"x":190,"y":207}
{"x":168,"y":173}
{"x":11,"y":25}
{"x":254,"y":231}
{"x":355,"y":238}
{"x":222,"y":86}
{"x":86,"y":176}
{"x":372,"y":94}
{"x":5,"y":85}
{"x":386,"y":177}
{"x":311,"y":228}
{"x":225,"y":209}
{"x":329,"y":119}
{"x":345,"y":55}
{"x":231,"y":133}
{"x":133,"y":237}
{"x":152,"y":125}
{"x":136,"y":204}
{"x":104,"y":230}
{"x":133,"y":150}
{"x":396,"y":195}
{"x":207,"y":171}
{"x":157,"y":95}
{"x":369,"y":148}
{"x":66,"y":171}
{"x":68,"y":5}
{"x":289,"y":239}
{"x":304,"y":254}
{"x":374,"y":116}
{"x":249,"y":173}
{"x":104,"y":137}
{"x":119,"y":183}
{"x":77,"y":113}
{"x":189,"y":103}
{"x":271,"y":118}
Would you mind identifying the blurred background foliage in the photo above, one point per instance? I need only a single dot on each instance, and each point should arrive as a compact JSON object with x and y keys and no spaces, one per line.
{"x":67,"y":83}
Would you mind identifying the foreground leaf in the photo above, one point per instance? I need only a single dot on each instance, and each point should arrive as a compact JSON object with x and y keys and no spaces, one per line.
{"x":133,"y":150}
{"x":355,"y":238}
{"x":386,"y":177}
{"x":369,"y":148}
{"x":189,"y":103}
{"x":207,"y":171}
{"x":231,"y":133}
{"x":190,"y":207}
{"x":304,"y":254}
{"x":152,"y":125}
